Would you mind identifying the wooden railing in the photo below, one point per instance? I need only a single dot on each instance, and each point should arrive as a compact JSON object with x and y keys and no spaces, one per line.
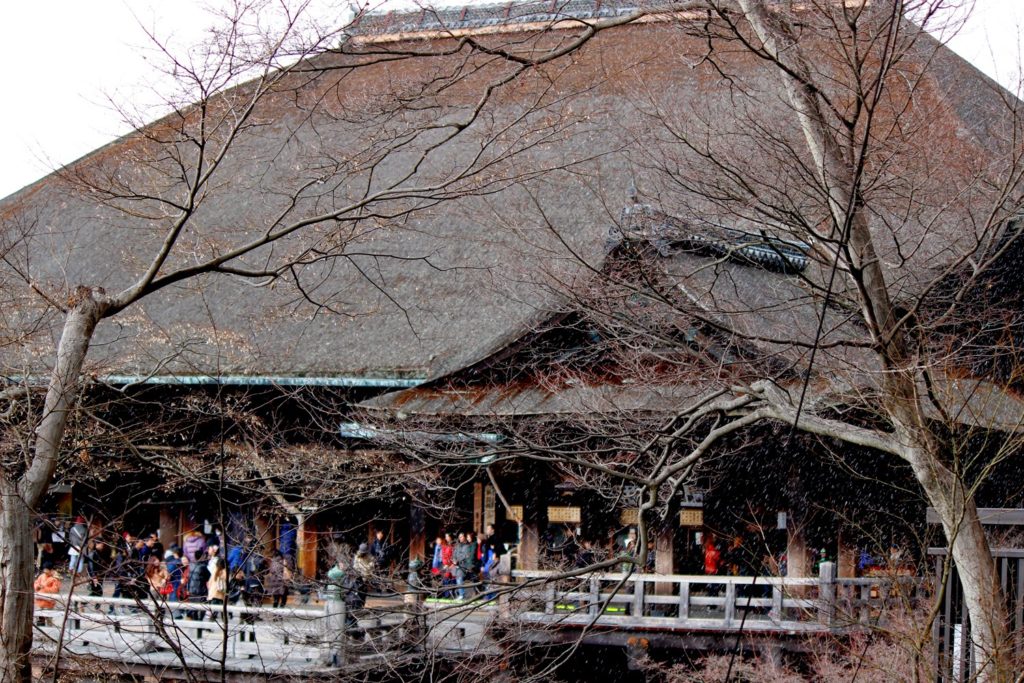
{"x":198,"y":636}
{"x":715,"y":603}
{"x":299,"y":640}
{"x":953,"y":658}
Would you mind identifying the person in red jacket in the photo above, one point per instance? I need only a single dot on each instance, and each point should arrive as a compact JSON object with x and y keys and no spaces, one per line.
{"x":712,"y":556}
{"x":712,"y":562}
{"x":47,"y":582}
{"x":447,"y":562}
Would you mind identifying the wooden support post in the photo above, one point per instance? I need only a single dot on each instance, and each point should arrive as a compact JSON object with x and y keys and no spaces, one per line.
{"x":169,"y":527}
{"x":478,"y":507}
{"x":595,"y":596}
{"x":529,"y":545}
{"x":664,"y":559}
{"x":529,"y":530}
{"x":265,"y":535}
{"x":1018,"y":612}
{"x":185,"y":525}
{"x":417,"y":533}
{"x":864,"y":614}
{"x":846,"y":558}
{"x":798,"y":556}
{"x":307,"y":559}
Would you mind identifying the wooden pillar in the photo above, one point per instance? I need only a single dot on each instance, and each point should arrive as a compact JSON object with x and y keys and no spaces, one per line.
{"x":185,"y":524}
{"x":265,"y":535}
{"x":529,"y":545}
{"x":490,"y":507}
{"x":664,"y":549}
{"x":169,"y":532}
{"x":529,"y":530}
{"x":65,"y":503}
{"x":307,"y":538}
{"x":664,"y":555}
{"x":798,"y":556}
{"x":478,"y":507}
{"x":846,"y":557}
{"x":417,"y":533}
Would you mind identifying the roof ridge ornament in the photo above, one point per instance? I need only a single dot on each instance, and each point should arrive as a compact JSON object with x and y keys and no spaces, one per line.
{"x":667,"y":234}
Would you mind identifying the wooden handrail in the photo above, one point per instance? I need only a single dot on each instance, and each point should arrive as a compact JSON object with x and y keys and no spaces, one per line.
{"x":74,"y":598}
{"x":666,"y":578}
{"x":666,"y":602}
{"x":703,"y":601}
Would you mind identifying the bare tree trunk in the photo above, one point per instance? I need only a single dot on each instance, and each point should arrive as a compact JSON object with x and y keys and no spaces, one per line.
{"x":918,"y":446}
{"x":975,"y":565}
{"x":17,"y":557}
{"x":20,"y":498}
{"x":87,"y":308}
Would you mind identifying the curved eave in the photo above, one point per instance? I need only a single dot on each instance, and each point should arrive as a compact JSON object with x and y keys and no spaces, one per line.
{"x":247,"y":381}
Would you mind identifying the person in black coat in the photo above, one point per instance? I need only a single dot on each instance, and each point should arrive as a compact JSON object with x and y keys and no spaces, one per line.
{"x":380,"y":549}
{"x":198,"y":576}
{"x":253,"y":575}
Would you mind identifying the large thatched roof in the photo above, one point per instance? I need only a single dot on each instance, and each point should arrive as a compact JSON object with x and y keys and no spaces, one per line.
{"x":421,"y":294}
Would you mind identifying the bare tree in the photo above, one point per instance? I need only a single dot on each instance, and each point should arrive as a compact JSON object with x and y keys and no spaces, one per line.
{"x":170,"y":209}
{"x":830,"y":149}
{"x":850,"y":152}
{"x":854,"y":181}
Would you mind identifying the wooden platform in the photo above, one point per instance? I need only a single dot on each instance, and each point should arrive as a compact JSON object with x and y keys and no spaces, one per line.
{"x":254,"y":643}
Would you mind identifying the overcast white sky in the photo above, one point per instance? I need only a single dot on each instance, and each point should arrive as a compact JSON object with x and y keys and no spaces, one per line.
{"x":63,"y":59}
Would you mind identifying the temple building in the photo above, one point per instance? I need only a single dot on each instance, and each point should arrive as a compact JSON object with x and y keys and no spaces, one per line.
{"x":504,"y":326}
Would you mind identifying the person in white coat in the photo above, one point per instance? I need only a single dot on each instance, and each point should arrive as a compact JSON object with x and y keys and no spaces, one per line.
{"x":77,"y":537}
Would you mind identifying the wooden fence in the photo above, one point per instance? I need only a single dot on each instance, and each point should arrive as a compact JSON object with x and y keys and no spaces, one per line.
{"x":711,"y":603}
{"x":953,"y":657}
{"x":305,"y":640}
{"x":204,"y":637}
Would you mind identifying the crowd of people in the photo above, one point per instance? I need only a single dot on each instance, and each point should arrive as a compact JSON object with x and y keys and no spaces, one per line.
{"x":461,"y":564}
{"x":199,"y":571}
{"x":737,"y":557}
{"x":202,"y":570}
{"x":465,"y":559}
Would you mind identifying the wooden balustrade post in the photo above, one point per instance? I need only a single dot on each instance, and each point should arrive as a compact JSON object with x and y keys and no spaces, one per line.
{"x":777,"y":613}
{"x":730,"y":603}
{"x":684,"y":600}
{"x":334,"y":630}
{"x":865,"y":605}
{"x":638,"y":598}
{"x":504,"y":602}
{"x":594,"y":606}
{"x":158,"y":622}
{"x":827,"y":594}
{"x":549,"y":599}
